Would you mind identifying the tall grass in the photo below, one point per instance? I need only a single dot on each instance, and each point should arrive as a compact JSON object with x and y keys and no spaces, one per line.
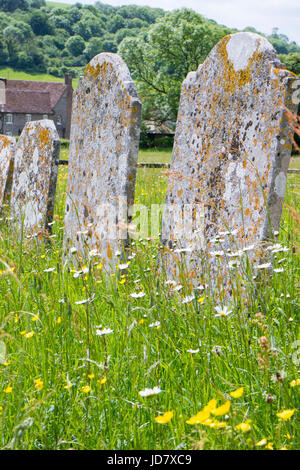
{"x":64,"y":386}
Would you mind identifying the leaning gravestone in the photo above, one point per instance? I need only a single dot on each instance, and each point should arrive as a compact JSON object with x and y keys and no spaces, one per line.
{"x":35,"y":175}
{"x":7,"y":149}
{"x":103,"y":157}
{"x":230,"y":158}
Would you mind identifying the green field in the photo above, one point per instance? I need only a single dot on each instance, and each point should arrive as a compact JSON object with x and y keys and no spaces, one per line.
{"x":62,"y":386}
{"x":12,"y":74}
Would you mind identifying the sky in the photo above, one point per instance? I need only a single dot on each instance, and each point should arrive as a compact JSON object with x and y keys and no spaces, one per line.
{"x":261,"y":14}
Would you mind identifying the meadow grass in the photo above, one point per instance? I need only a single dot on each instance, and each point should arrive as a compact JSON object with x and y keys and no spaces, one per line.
{"x":11,"y":74}
{"x":62,"y":386}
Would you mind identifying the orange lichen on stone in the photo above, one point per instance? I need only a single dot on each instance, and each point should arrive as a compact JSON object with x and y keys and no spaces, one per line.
{"x":44,"y":137}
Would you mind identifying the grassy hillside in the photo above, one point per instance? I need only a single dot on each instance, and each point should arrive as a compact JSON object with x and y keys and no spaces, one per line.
{"x":12,"y":74}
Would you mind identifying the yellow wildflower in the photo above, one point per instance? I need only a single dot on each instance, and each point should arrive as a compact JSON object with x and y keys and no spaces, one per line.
{"x":102,"y":381}
{"x":1,"y":409}
{"x":244,"y":427}
{"x":8,"y":389}
{"x":38,"y":384}
{"x":261,"y":443}
{"x":269,"y":446}
{"x":86,"y":389}
{"x":201,"y":300}
{"x":58,"y":320}
{"x":286,"y":414}
{"x":221,"y":410}
{"x":237,"y":393}
{"x":29,"y":334}
{"x":91,"y":376}
{"x":69,"y":385}
{"x":295,"y":382}
{"x":141,"y":321}
{"x":211,"y":405}
{"x":165,"y":418}
{"x":6,"y":363}
{"x":35,"y":318}
{"x":199,"y":418}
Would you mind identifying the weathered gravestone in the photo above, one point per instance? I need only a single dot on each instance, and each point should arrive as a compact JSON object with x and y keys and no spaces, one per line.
{"x":103,"y":155}
{"x":230,"y":158}
{"x":7,"y":149}
{"x":35,"y":175}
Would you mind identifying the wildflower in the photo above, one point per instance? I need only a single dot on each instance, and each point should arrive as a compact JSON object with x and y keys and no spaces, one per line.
{"x":149,"y":392}
{"x":137,"y":295}
{"x":217,"y":424}
{"x":221,"y":410}
{"x":263,"y":266}
{"x":188,"y":299}
{"x":105,"y":331}
{"x":29,"y":335}
{"x":141,"y":321}
{"x":222,"y":311}
{"x":286,"y":414}
{"x":165,"y":418}
{"x":201,"y":300}
{"x":38,"y":384}
{"x":8,"y":389}
{"x":1,"y":409}
{"x":58,"y":320}
{"x":244,"y":427}
{"x":35,"y":318}
{"x":69,"y":385}
{"x":155,"y":324}
{"x":85,"y":301}
{"x":294,"y":383}
{"x":102,"y":381}
{"x":86,"y":389}
{"x":261,"y":443}
{"x":123,"y":266}
{"x":237,"y":393}
{"x":91,"y":376}
{"x":269,"y":446}
{"x":199,"y":418}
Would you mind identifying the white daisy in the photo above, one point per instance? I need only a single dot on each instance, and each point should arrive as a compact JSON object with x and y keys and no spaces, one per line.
{"x":223,"y":311}
{"x":148,"y":392}
{"x":105,"y":331}
{"x":137,"y":295}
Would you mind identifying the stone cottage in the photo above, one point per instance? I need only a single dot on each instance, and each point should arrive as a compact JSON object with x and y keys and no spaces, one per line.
{"x":22,"y":101}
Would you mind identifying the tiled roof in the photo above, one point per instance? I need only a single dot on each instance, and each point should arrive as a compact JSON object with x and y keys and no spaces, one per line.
{"x":31,"y":97}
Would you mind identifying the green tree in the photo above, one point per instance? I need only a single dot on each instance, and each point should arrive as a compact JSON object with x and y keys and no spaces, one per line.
{"x":161,"y":58}
{"x":12,"y":5}
{"x":40,"y":23}
{"x":93,"y":47}
{"x":292,"y":62}
{"x":75,"y":45}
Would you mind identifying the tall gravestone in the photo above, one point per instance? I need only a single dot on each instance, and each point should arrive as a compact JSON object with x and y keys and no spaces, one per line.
{"x":230,"y":158}
{"x":35,"y":175}
{"x":7,"y":149}
{"x":103,"y":156}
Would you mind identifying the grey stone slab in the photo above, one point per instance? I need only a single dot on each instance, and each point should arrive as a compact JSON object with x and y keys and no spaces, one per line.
{"x":231,"y":154}
{"x":7,"y":150}
{"x":103,"y":156}
{"x":35,"y":175}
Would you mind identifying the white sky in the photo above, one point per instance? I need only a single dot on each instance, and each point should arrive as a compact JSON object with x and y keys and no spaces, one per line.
{"x":262,"y":14}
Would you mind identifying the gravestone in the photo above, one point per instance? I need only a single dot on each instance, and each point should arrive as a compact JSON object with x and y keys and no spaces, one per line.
{"x":7,"y":149}
{"x":35,"y":175}
{"x":103,"y":156}
{"x":231,"y":154}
